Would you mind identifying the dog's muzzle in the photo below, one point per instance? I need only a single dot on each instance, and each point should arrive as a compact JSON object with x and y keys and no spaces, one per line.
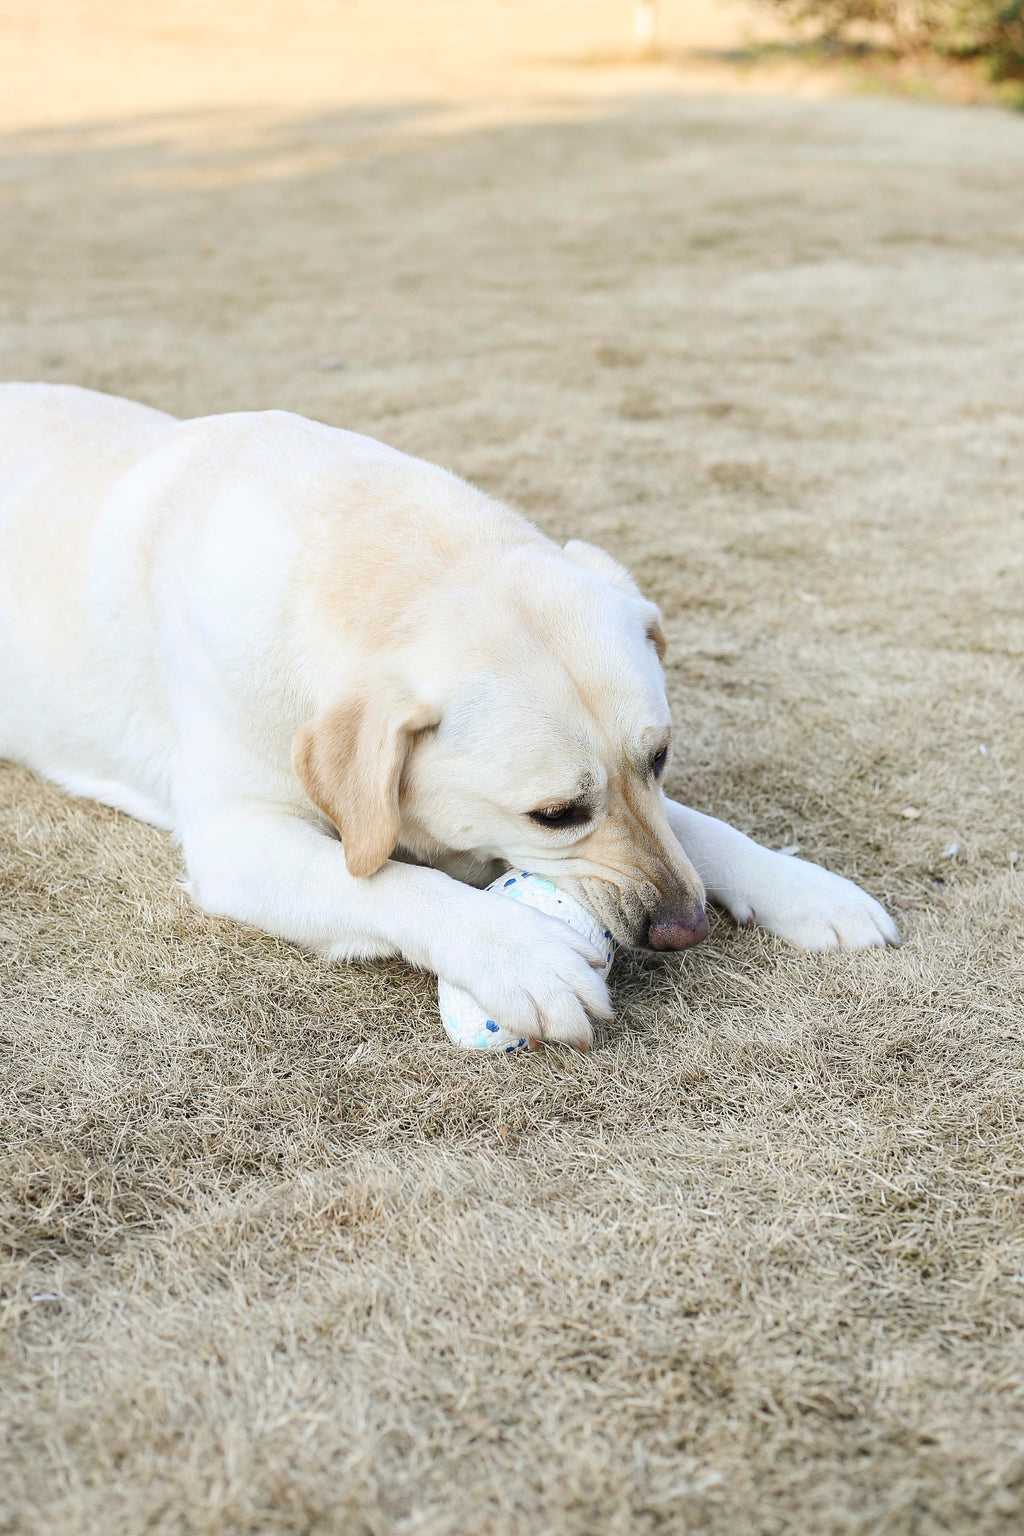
{"x":677,"y":928}
{"x":643,"y":916}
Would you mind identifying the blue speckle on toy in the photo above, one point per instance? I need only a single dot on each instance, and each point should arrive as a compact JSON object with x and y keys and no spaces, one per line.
{"x":465,"y":1022}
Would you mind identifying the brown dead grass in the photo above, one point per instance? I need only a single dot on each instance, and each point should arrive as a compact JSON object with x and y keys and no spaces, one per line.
{"x":275,"y":1258}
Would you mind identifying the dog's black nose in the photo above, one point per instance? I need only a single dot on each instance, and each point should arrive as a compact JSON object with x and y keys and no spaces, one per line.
{"x":677,"y":928}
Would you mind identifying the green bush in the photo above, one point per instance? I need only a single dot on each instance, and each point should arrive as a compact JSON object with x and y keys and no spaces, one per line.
{"x":990,"y":30}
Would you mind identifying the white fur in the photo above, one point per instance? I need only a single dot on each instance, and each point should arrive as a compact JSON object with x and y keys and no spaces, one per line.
{"x":179,"y":599}
{"x":798,"y":901}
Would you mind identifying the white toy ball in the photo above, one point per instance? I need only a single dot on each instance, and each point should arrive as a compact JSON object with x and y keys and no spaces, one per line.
{"x":465,"y":1022}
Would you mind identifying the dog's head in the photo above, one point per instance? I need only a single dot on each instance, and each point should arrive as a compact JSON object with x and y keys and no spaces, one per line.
{"x":523,"y":719}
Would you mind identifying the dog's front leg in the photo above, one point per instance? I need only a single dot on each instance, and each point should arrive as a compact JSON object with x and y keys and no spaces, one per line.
{"x":800,"y":902}
{"x":278,"y":871}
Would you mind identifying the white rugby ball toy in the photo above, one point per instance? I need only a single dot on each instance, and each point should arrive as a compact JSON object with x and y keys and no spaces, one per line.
{"x":465,"y":1022}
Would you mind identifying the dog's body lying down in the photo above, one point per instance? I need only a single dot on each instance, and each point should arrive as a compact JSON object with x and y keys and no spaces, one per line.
{"x":264,"y":635}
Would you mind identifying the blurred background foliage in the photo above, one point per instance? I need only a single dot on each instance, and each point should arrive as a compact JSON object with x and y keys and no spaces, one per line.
{"x":989,"y":31}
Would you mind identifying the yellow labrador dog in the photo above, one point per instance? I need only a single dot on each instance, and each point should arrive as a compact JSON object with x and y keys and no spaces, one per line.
{"x":355,"y":688}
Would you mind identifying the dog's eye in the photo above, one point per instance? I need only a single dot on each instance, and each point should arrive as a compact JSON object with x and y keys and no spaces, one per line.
{"x":658,"y":762}
{"x":560,"y":815}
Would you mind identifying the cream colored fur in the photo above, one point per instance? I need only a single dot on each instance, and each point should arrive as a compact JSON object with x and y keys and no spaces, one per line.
{"x":344,"y":679}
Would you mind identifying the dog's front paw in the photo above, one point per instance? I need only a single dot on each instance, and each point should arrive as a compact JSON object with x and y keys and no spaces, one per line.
{"x":812,"y":908}
{"x":531,"y":974}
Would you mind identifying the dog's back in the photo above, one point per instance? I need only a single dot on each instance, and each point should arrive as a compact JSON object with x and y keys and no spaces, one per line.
{"x":61,"y":450}
{"x":131,"y":541}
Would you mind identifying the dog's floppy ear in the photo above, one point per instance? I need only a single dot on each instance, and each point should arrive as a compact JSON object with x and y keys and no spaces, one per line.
{"x":655,"y":632}
{"x":592,"y":558}
{"x":350,"y":761}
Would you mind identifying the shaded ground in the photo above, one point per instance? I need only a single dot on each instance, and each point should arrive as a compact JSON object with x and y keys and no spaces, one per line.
{"x":275,"y":1257}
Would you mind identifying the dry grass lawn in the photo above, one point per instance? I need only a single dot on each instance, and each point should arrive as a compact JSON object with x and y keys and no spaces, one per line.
{"x":274,"y":1257}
